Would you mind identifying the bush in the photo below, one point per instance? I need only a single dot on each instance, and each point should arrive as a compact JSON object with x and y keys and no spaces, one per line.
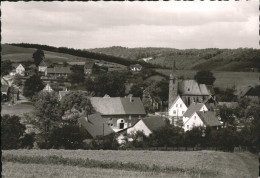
{"x":11,"y":132}
{"x":27,"y":141}
{"x":67,"y":137}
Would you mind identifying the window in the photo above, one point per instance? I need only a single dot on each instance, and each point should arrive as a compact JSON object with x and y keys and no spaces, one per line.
{"x":194,"y":117}
{"x":122,"y":120}
{"x":176,"y":105}
{"x":182,"y":112}
{"x":180,"y":105}
{"x":174,"y":111}
{"x":187,"y":126}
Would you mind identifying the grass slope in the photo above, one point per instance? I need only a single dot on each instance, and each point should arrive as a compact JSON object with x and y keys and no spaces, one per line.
{"x":223,"y":79}
{"x":177,"y":164}
{"x":19,"y":54}
{"x":241,"y":59}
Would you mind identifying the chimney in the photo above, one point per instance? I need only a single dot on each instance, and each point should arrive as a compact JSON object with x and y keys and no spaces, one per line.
{"x":131,"y":98}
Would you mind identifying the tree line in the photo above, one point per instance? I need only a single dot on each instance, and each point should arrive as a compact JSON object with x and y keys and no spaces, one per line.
{"x":85,"y":54}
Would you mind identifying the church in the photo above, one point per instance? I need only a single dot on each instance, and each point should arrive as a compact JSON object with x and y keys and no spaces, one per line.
{"x":183,"y":93}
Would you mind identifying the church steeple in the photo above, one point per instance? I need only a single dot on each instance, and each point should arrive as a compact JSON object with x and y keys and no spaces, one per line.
{"x":173,"y":85}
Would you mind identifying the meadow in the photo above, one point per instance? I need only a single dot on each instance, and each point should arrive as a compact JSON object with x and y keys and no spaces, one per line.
{"x":107,"y":163}
{"x":223,"y":79}
{"x":17,"y":109}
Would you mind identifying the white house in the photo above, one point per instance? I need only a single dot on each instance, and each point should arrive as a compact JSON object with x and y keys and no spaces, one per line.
{"x":20,"y":70}
{"x":147,"y":125}
{"x":42,"y":66}
{"x":177,"y":109}
{"x":192,"y":109}
{"x":202,"y":118}
{"x":47,"y":88}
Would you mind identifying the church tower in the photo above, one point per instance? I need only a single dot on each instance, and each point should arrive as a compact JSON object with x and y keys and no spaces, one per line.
{"x":173,"y":86}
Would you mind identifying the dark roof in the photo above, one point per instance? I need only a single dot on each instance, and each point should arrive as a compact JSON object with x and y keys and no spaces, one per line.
{"x":89,"y":65}
{"x":193,"y":108}
{"x":43,"y":63}
{"x":59,"y":70}
{"x":191,"y":87}
{"x":154,"y":123}
{"x":4,"y":88}
{"x":228,"y":104}
{"x":118,"y":106}
{"x":209,"y":118}
{"x":253,"y":91}
{"x":96,"y":125}
{"x":136,"y":65}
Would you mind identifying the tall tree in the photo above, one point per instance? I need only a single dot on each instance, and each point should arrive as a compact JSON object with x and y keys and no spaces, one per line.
{"x":38,"y":56}
{"x":6,"y":67}
{"x":46,"y":117}
{"x":32,"y":86}
{"x":205,"y":77}
{"x":11,"y":131}
{"x":76,"y":104}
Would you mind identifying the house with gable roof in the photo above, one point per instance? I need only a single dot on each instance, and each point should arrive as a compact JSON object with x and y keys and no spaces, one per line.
{"x":43,"y":66}
{"x":177,"y":109}
{"x":47,"y":88}
{"x":204,"y":119}
{"x":193,"y":108}
{"x":120,"y":112}
{"x":147,"y":125}
{"x":95,"y":125}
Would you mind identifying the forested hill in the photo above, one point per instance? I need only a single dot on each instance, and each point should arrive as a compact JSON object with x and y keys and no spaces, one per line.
{"x":241,"y":59}
{"x":85,"y":54}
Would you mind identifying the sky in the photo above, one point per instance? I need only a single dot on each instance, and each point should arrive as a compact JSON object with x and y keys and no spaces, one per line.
{"x":173,"y":24}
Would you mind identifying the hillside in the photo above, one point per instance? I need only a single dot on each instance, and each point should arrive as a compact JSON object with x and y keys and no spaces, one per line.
{"x":18,"y":54}
{"x":242,"y":59}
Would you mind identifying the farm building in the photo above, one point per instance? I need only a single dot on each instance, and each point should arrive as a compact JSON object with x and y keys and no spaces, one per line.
{"x":136,"y":68}
{"x":57,"y":72}
{"x":253,"y":93}
{"x":147,"y":125}
{"x":119,"y":112}
{"x":95,"y":125}
{"x":202,"y":118}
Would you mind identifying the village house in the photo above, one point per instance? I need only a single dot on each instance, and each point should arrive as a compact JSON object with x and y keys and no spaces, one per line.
{"x":119,"y":112}
{"x":18,"y":69}
{"x":57,"y":72}
{"x":147,"y":125}
{"x":95,"y":125}
{"x":177,"y":109}
{"x":47,"y":88}
{"x":193,"y":108}
{"x":43,"y":66}
{"x":88,"y":67}
{"x":204,"y":119}
{"x":136,"y":68}
{"x":63,"y":93}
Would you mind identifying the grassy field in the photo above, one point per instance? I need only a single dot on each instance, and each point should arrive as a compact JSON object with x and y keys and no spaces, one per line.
{"x":103,"y":163}
{"x":223,"y":79}
{"x":18,"y":109}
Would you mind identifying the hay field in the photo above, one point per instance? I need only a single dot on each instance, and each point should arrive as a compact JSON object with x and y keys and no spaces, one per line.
{"x":133,"y":163}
